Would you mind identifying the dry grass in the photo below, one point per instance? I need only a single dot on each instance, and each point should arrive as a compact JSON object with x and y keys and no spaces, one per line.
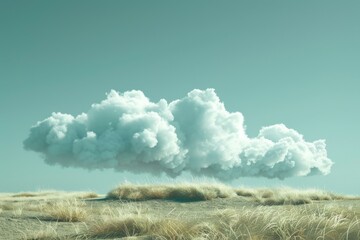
{"x":27,"y":206}
{"x":261,"y":222}
{"x":65,"y":210}
{"x":288,"y":196}
{"x":18,"y":212}
{"x":45,"y":195}
{"x":250,"y":214}
{"x":43,"y":234}
{"x":171,"y":228}
{"x":185,"y":192}
{"x":88,"y":195}
{"x":24,"y":195}
{"x":125,"y":209}
{"x":118,"y":223}
{"x":117,"y":226}
{"x":8,"y":206}
{"x":293,"y":223}
{"x":48,"y":232}
{"x":120,"y":227}
{"x":245,"y":192}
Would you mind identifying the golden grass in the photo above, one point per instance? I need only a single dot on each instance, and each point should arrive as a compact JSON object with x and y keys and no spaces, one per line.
{"x":47,"y":232}
{"x":120,"y":227}
{"x":17,"y":206}
{"x":45,"y":195}
{"x":184,"y":192}
{"x":245,"y":192}
{"x":65,"y":210}
{"x":25,"y":195}
{"x":140,"y":225}
{"x":171,"y":228}
{"x":118,"y":223}
{"x":18,"y":212}
{"x":88,"y":195}
{"x":288,"y":196}
{"x":23,"y":205}
{"x":303,"y":215}
{"x":294,"y":222}
{"x":260,"y":222}
{"x":187,"y":192}
{"x":43,"y":234}
{"x":8,"y":206}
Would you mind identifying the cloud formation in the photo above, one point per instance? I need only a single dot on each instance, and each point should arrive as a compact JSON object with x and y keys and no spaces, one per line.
{"x":128,"y":132}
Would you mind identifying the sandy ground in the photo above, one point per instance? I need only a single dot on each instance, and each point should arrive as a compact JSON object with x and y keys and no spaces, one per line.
{"x":20,"y":217}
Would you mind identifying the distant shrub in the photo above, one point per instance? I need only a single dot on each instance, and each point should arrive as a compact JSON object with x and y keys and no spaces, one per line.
{"x":288,"y":196}
{"x":88,"y":195}
{"x":245,"y":192}
{"x":24,"y":195}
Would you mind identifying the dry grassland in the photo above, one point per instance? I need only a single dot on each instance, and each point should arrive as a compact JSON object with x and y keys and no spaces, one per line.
{"x":181,"y":211}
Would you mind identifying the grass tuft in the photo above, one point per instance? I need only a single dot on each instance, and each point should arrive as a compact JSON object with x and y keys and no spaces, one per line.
{"x":46,"y":234}
{"x":115,"y":227}
{"x":88,"y":195}
{"x":65,"y":210}
{"x":172,"y":229}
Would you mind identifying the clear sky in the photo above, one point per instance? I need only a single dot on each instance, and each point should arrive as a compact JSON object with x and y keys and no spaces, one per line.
{"x":291,"y":62}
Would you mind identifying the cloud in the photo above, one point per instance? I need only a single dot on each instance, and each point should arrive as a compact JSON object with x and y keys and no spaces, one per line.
{"x":128,"y":132}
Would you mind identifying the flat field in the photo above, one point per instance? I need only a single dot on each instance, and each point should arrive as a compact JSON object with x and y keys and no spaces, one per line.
{"x":180,"y":211}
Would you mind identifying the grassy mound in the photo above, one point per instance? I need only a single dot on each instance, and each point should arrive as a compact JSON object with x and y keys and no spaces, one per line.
{"x":288,"y":196}
{"x":185,"y":192}
{"x":189,"y":192}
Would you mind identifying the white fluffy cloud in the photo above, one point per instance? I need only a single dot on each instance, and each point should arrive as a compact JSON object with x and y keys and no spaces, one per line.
{"x":128,"y":132}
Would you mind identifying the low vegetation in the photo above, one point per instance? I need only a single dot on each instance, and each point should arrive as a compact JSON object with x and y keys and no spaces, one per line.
{"x":260,"y":222}
{"x":24,"y":195}
{"x":120,"y":227}
{"x":191,"y":211}
{"x":65,"y":210}
{"x":47,"y":233}
{"x":185,"y":192}
{"x":88,"y":195}
{"x":288,"y":196}
{"x":290,"y":223}
{"x":200,"y":192}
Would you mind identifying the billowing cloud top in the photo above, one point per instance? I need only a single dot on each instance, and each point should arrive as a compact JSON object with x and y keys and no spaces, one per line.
{"x":128,"y":132}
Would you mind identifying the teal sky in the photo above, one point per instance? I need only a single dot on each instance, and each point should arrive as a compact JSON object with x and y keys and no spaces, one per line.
{"x":291,"y":62}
